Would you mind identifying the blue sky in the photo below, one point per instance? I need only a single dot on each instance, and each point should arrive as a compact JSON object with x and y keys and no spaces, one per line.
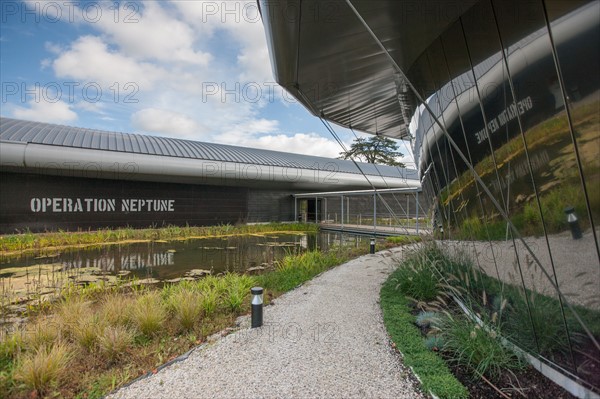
{"x":198,"y":70}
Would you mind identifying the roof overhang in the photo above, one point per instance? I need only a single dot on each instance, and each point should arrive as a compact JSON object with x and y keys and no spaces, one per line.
{"x":326,"y":58}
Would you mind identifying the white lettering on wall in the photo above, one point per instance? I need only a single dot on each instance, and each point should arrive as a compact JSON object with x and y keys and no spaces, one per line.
{"x":503,"y":118}
{"x":78,"y":205}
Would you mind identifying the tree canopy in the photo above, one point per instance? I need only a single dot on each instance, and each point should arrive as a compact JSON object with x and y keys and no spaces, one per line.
{"x":375,"y":149}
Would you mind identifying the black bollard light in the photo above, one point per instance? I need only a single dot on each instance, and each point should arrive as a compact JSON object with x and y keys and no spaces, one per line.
{"x":573,"y":222}
{"x":372,"y":245}
{"x":257,"y":306}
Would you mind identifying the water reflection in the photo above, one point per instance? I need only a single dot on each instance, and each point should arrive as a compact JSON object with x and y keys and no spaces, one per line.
{"x":164,"y":260}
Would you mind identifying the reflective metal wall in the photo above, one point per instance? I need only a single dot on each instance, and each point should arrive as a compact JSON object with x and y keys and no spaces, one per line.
{"x":511,"y":158}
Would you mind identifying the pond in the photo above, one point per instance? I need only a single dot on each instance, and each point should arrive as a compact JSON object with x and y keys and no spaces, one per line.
{"x":34,"y":276}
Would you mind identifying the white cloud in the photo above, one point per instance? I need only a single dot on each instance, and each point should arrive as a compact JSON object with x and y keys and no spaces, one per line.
{"x":167,"y":123}
{"x":41,"y":110}
{"x":154,"y":34}
{"x":88,"y":59}
{"x":166,"y":55}
{"x":263,"y":133}
{"x":300,"y":143}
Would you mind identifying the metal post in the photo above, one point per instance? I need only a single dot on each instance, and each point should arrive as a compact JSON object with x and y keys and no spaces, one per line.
{"x":407,"y":210}
{"x":296,"y":209}
{"x":573,"y":223}
{"x":417,"y":212}
{"x":257,"y":306}
{"x":348,"y":209}
{"x":326,"y":217}
{"x":342,"y":218}
{"x":374,"y":213}
{"x":317,"y":210}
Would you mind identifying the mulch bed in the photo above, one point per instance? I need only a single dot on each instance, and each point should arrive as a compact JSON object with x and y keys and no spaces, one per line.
{"x":527,"y":383}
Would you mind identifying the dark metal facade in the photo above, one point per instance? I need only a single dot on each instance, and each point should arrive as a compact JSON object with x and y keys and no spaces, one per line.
{"x":504,"y":107}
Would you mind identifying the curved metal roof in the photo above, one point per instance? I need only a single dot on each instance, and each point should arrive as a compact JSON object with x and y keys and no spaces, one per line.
{"x":14,"y":130}
{"x":323,"y":55}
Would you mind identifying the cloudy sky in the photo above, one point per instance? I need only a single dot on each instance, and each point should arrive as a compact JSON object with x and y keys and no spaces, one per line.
{"x":198,"y":70}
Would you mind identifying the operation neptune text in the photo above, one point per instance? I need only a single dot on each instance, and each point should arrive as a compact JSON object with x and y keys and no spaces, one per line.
{"x":73,"y":205}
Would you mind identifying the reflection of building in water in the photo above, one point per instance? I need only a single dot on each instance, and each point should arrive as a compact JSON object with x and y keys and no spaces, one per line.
{"x":500,"y":99}
{"x":115,"y":263}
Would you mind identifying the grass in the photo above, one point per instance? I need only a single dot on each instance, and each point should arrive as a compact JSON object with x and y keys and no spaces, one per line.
{"x":44,"y":368}
{"x":295,"y":270}
{"x":114,"y":341}
{"x":478,"y":349}
{"x":417,"y":279}
{"x":529,"y":319}
{"x":186,"y":306}
{"x":28,"y":241}
{"x":94,"y":340}
{"x":404,"y":239}
{"x":148,"y":313}
{"x":400,"y":324}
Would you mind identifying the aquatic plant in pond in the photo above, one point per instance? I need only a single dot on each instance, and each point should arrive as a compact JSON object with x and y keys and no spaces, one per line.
{"x":29,"y":241}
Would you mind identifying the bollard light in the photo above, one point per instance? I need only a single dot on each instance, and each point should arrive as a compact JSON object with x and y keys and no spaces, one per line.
{"x":372,"y":245}
{"x":573,"y":222}
{"x":257,"y":306}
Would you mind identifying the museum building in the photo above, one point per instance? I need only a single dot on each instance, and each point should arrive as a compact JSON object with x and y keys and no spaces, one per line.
{"x":59,"y":177}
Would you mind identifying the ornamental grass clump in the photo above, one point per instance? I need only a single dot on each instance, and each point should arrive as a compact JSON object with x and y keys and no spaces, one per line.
{"x":148,"y":313}
{"x":115,"y":309}
{"x":114,"y":341}
{"x":70,"y":312}
{"x":480,"y":349}
{"x":42,"y":332}
{"x":86,"y":332}
{"x":209,"y":299}
{"x":418,"y":279}
{"x":43,"y":368}
{"x":186,"y":307}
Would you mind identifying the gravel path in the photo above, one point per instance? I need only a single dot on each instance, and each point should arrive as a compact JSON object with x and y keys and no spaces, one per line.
{"x":324,"y":339}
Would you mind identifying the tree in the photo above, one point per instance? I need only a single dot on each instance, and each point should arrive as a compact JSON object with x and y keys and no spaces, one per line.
{"x":375,"y":149}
